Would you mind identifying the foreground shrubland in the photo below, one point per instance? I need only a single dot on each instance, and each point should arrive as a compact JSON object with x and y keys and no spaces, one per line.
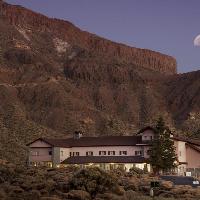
{"x":20,"y":183}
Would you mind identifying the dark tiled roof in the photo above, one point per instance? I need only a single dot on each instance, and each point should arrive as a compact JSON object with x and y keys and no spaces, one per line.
{"x":193,"y":147}
{"x":146,"y":128}
{"x":190,"y":141}
{"x":95,"y":141}
{"x":104,"y":159}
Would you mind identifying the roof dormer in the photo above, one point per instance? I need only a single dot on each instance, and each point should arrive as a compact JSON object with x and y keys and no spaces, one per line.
{"x":147,"y":133}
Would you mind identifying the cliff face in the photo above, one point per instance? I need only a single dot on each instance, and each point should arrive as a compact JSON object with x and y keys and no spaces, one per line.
{"x":30,"y":21}
{"x":55,"y":79}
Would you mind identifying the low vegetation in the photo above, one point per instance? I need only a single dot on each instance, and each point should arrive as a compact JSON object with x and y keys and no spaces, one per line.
{"x":73,"y":183}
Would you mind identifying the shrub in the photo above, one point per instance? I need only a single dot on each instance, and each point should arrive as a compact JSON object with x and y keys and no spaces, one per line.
{"x":137,"y":171}
{"x":19,"y":56}
{"x":79,"y":194}
{"x":93,"y":180}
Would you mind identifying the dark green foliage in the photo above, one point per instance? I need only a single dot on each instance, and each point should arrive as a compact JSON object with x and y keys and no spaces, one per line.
{"x":19,"y":56}
{"x":145,"y":169}
{"x":138,"y":171}
{"x":155,"y":184}
{"x":93,"y":180}
{"x":197,"y":134}
{"x":162,"y":156}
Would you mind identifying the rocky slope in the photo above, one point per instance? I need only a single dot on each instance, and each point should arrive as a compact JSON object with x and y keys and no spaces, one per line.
{"x":55,"y":79}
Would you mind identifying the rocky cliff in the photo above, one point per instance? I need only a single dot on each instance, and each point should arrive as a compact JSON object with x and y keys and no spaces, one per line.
{"x":29,"y":21}
{"x":55,"y":79}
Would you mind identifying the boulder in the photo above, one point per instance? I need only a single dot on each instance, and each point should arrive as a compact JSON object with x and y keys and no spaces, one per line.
{"x":181,"y":189}
{"x":166,"y":194}
{"x":50,"y":198}
{"x":109,"y":196}
{"x":130,"y":194}
{"x":79,"y":195}
{"x":119,"y":190}
{"x":166,"y":185}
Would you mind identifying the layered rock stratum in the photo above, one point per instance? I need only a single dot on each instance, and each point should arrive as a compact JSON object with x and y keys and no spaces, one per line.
{"x":56,"y":78}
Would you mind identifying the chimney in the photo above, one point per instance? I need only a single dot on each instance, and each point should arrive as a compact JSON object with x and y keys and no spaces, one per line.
{"x":78,"y":134}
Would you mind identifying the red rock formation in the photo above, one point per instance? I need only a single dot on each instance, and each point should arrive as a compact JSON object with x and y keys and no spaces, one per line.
{"x":19,"y":16}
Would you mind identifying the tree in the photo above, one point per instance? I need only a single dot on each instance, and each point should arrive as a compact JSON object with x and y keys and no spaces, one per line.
{"x":163,"y":155}
{"x":197,"y":133}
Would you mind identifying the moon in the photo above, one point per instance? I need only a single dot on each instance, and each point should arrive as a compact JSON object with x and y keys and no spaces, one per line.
{"x":197,"y":41}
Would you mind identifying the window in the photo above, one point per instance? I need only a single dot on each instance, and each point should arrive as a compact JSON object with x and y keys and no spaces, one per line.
{"x":77,"y":154}
{"x":179,"y":153}
{"x":50,"y":153}
{"x":151,"y":137}
{"x":123,"y":153}
{"x":148,"y":151}
{"x":138,"y":153}
{"x":35,"y":153}
{"x":112,"y":153}
{"x":73,"y":154}
{"x":102,"y":153}
{"x":61,"y":153}
{"x":89,"y":153}
{"x":35,"y":164}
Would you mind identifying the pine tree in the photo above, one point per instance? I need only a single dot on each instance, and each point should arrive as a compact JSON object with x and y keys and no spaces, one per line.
{"x":163,"y":155}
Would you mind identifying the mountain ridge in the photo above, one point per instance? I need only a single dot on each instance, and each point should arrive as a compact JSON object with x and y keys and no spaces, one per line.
{"x":68,"y":31}
{"x":56,"y":79}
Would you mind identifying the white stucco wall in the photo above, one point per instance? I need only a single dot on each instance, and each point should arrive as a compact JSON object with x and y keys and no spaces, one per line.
{"x":180,"y":151}
{"x":193,"y":157}
{"x":65,"y":153}
{"x":130,"y":150}
{"x":60,"y":154}
{"x":146,"y":148}
{"x":147,"y":135}
{"x":39,"y":152}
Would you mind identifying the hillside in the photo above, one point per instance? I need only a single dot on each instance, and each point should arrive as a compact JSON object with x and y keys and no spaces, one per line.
{"x":56,"y":78}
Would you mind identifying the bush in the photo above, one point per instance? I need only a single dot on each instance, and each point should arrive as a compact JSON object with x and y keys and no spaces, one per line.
{"x":79,"y":194}
{"x":137,"y":171}
{"x":19,"y":56}
{"x":93,"y":180}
